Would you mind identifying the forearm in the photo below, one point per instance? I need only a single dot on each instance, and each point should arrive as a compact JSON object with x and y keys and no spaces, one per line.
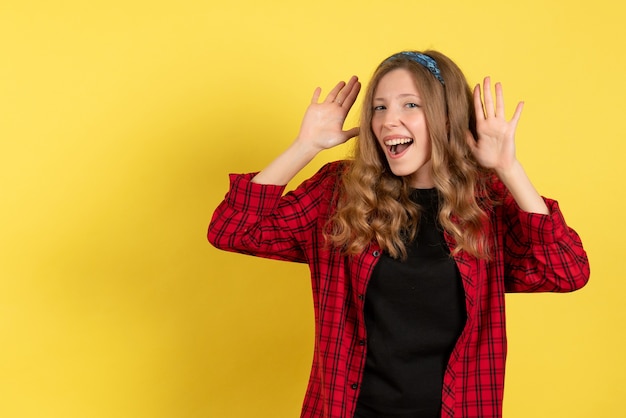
{"x":519,"y":185}
{"x":280,"y":171}
{"x":549,"y":258}
{"x":248,"y":221}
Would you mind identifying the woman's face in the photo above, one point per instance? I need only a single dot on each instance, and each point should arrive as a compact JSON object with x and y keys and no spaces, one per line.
{"x":399,"y":124}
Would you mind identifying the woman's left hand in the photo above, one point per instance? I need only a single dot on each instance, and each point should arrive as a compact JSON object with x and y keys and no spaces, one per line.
{"x":495,"y":146}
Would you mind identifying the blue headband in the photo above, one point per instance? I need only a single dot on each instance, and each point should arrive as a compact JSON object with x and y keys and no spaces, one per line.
{"x":426,"y":61}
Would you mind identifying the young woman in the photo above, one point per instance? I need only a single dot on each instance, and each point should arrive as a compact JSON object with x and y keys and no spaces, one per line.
{"x":411,"y":244}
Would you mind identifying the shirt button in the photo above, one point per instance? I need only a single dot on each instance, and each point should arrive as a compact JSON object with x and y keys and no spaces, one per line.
{"x":376,"y":253}
{"x":354,"y":386}
{"x":361,"y":297}
{"x":362,"y":342}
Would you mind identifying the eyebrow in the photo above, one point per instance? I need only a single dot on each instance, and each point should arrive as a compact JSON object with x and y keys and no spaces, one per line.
{"x":400,"y":96}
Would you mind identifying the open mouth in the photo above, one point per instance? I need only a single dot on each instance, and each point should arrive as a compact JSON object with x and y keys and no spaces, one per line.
{"x":398,"y":146}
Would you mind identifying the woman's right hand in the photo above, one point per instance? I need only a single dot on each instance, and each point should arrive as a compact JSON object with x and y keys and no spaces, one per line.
{"x":322,"y":128}
{"x":322,"y":125}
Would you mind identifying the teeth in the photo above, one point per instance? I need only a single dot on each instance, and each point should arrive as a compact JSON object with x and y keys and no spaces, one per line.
{"x":398,"y":141}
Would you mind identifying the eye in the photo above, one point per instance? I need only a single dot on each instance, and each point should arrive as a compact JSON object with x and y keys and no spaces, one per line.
{"x":412,"y":105}
{"x":379,"y":108}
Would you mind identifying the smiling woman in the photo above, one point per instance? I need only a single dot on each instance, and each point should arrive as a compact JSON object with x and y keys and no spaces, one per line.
{"x":399,"y":124}
{"x":440,"y":118}
{"x":411,"y":245}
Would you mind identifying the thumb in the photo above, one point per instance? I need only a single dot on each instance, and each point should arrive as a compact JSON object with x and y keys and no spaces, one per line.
{"x":351,"y":133}
{"x":471,"y":141}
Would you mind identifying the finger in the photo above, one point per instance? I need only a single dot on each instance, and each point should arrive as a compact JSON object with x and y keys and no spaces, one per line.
{"x":334,"y":92}
{"x":499,"y":101}
{"x":489,"y":110}
{"x":353,"y":88}
{"x":316,"y":95}
{"x":344,"y":93}
{"x":517,"y":114}
{"x":478,"y":104}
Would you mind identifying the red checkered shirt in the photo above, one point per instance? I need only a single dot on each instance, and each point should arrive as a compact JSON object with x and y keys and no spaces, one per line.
{"x":531,"y":253}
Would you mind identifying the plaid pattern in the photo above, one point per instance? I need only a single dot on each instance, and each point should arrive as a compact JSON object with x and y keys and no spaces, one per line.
{"x":532,"y":253}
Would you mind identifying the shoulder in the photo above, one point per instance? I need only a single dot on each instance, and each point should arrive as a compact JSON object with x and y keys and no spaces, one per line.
{"x":335,"y":167}
{"x":328,"y":176}
{"x":322,"y":188}
{"x":490,"y":192}
{"x":317,"y":195}
{"x":495,"y":189}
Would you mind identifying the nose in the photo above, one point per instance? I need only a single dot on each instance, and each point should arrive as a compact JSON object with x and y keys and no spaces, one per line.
{"x":391,"y":118}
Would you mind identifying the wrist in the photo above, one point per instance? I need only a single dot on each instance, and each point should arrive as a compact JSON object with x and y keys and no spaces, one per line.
{"x":509,"y":172}
{"x":519,"y":185}
{"x":283,"y":169}
{"x":305,"y":149}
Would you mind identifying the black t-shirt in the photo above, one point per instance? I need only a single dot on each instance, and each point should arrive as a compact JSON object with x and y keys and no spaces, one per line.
{"x":414,"y":313}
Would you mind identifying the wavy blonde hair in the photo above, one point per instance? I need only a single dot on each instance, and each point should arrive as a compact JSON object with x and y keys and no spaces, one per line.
{"x":374,"y":204}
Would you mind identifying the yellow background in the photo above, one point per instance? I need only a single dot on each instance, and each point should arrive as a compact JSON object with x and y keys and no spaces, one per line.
{"x":119,"y":121}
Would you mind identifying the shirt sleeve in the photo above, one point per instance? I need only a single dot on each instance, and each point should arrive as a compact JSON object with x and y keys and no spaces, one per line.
{"x":258,"y":220}
{"x":541,"y":253}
